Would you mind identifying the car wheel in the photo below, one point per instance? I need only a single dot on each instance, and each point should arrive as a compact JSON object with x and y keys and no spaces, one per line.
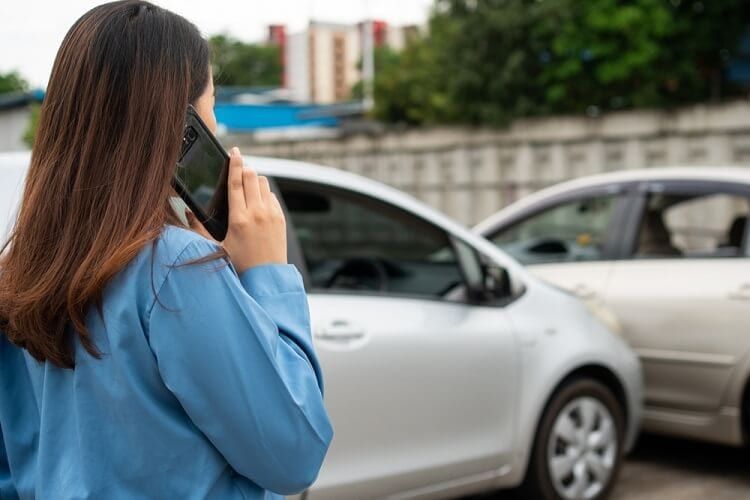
{"x":746,"y":416}
{"x":578,"y":447}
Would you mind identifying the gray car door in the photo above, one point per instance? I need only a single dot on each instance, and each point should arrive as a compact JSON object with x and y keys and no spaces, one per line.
{"x":420,"y":384}
{"x":682,"y":291}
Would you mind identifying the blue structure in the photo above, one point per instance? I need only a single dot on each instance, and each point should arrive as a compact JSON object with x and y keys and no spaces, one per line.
{"x":268,"y":113}
{"x":238,"y":118}
{"x":14,"y":100}
{"x":242,"y":109}
{"x":739,"y":69}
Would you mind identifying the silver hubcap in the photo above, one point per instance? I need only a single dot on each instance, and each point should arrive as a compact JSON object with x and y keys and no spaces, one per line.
{"x":582,"y":449}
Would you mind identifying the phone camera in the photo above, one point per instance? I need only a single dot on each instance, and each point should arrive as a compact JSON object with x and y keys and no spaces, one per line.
{"x":188,"y":138}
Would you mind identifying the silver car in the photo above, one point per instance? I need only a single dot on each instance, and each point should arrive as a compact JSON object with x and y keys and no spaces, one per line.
{"x":664,"y":253}
{"x":449,"y":369}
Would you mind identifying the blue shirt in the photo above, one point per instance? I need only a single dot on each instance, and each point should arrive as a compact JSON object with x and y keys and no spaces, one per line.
{"x":208,"y":387}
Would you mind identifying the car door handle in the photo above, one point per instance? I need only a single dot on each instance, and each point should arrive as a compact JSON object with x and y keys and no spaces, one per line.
{"x":340,"y":331}
{"x":742,"y":293}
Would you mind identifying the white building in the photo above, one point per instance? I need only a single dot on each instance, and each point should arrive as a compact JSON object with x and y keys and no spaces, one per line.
{"x":322,"y":63}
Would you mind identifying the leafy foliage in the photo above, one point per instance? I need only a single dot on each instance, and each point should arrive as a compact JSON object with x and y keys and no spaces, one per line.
{"x":30,"y":133}
{"x":12,"y":82}
{"x":490,"y":61}
{"x":644,"y":53}
{"x":246,"y":64}
{"x":404,"y":86}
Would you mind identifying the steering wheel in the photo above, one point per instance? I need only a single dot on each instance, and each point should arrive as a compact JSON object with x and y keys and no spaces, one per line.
{"x":372,"y":269}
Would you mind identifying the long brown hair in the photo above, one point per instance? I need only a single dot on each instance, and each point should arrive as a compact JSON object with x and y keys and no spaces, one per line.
{"x":98,"y":185}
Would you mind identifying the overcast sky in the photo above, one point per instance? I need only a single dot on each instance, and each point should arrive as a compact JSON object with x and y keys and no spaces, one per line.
{"x":31,"y":30}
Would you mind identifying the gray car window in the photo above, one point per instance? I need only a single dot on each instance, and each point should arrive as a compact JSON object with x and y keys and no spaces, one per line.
{"x":353,"y":242}
{"x":570,"y":232}
{"x":700,"y":225}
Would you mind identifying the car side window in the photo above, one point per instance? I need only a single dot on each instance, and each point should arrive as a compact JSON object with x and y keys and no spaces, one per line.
{"x":572,"y":231}
{"x":697,"y":225}
{"x":355,"y":243}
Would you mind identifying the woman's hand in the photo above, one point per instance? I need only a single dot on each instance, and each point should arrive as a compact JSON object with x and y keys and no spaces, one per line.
{"x":257,"y":228}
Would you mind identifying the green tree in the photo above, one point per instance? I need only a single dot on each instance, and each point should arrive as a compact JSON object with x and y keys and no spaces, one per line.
{"x":490,"y":61}
{"x":607,"y":55}
{"x":491,"y":54}
{"x":479,"y":63}
{"x":643,"y":53}
{"x":404,"y":89}
{"x":29,"y":135}
{"x":12,"y":82}
{"x":247,"y":64}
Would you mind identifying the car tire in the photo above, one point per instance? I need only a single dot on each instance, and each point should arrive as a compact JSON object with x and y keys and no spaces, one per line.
{"x":578,"y":448}
{"x":746,"y":417}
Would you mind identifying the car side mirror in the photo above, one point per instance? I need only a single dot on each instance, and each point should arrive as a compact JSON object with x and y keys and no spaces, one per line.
{"x":496,"y":282}
{"x":486,"y":280}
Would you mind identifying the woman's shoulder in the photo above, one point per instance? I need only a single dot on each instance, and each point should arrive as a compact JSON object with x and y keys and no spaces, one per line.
{"x":172,"y":253}
{"x":176,"y":244}
{"x":173,"y":247}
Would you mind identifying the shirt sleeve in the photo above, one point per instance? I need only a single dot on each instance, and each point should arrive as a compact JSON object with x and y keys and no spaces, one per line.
{"x":237,"y":353}
{"x":7,"y":488}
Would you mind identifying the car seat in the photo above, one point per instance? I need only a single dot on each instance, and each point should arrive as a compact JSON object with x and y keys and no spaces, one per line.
{"x":654,"y":239}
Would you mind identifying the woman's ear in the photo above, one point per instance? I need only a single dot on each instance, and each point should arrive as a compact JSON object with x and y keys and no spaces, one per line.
{"x":204,"y":105}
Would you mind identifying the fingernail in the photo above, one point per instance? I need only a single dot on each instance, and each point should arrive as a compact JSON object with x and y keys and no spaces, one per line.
{"x":235,"y":151}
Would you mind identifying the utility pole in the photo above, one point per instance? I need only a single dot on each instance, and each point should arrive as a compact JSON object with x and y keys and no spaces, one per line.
{"x":368,"y":60}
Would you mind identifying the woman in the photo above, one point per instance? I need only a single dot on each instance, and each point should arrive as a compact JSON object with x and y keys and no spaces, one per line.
{"x":139,"y":359}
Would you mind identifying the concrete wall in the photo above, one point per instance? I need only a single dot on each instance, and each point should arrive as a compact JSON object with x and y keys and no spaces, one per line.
{"x":471,"y":173}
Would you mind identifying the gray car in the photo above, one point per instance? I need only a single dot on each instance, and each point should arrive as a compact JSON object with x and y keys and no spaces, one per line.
{"x":665,"y":253}
{"x":449,"y":369}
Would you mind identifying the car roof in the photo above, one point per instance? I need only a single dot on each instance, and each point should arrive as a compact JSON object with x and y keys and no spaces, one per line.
{"x":733,"y":174}
{"x":303,"y":171}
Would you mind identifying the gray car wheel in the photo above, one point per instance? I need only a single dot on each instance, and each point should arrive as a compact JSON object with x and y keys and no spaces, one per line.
{"x":578,"y":448}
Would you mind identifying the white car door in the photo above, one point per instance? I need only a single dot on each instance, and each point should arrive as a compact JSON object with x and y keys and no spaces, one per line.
{"x":420,"y":385}
{"x":683,"y":294}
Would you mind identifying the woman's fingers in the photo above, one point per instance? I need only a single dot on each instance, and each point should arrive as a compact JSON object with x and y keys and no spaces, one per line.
{"x":251,"y":186}
{"x":257,"y":229}
{"x":276,"y":206}
{"x":236,"y":195}
{"x":265,"y":188}
{"x":245,"y":185}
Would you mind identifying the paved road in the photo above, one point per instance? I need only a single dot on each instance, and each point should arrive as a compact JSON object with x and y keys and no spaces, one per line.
{"x":671,"y":469}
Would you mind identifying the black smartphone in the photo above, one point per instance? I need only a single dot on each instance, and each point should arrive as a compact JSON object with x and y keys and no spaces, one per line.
{"x":201,"y":176}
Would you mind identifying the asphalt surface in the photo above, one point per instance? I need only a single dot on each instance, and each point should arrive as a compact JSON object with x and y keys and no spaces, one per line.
{"x":673,"y":469}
